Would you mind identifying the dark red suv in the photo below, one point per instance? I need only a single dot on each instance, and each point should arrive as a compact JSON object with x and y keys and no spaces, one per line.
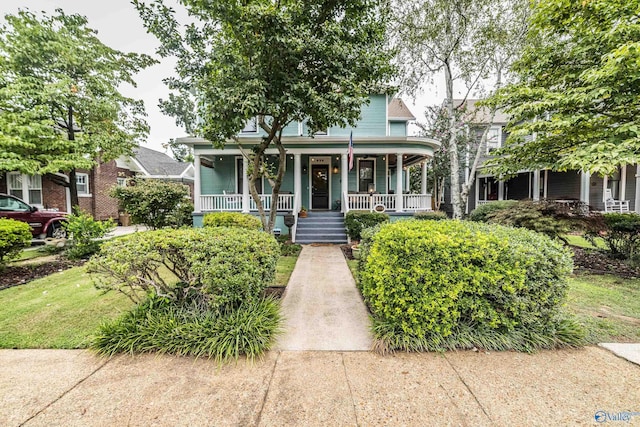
{"x":43,"y":223}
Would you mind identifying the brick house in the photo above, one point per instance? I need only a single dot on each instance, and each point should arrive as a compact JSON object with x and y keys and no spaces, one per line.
{"x":46,"y":191}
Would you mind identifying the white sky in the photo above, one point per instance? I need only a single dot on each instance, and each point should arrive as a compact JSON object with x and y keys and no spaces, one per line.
{"x":120,"y":27}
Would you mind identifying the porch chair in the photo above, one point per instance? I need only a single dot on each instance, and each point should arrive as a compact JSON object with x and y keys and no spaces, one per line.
{"x":612,"y":205}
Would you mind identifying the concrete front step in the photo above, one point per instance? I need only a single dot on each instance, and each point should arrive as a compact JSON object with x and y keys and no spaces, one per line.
{"x":321,"y":227}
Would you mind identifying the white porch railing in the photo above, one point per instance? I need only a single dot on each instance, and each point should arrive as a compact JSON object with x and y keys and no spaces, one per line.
{"x":416,"y":202}
{"x":221,"y":202}
{"x":233,"y":202}
{"x":285,"y":202}
{"x":410,"y":202}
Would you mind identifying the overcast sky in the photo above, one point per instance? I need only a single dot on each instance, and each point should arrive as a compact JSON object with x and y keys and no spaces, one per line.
{"x":120,"y":27}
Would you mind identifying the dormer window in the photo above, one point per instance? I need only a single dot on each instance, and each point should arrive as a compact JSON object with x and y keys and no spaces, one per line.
{"x":251,"y":125}
{"x":494,"y":138}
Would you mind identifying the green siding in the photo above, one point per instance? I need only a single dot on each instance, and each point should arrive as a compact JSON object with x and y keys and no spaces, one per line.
{"x":373,"y":120}
{"x":398,"y":128}
{"x":219,"y":178}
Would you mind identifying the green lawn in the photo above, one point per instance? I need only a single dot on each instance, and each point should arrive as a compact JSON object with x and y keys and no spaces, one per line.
{"x":31,"y":253}
{"x":284,"y":269}
{"x":58,"y":311}
{"x":608,"y":305}
{"x":581,"y":242}
{"x":64,"y":309}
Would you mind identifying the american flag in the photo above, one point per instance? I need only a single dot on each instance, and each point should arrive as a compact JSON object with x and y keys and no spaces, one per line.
{"x":351,"y":150}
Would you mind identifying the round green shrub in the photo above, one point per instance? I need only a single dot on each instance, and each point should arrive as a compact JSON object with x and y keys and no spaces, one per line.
{"x":231,"y":219}
{"x":483,"y":212}
{"x":356,"y":221}
{"x":218,"y":268}
{"x":426,"y":281}
{"x":14,"y":236}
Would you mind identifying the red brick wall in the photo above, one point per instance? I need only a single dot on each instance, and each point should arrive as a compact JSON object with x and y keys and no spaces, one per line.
{"x":54,"y":196}
{"x":101,"y":179}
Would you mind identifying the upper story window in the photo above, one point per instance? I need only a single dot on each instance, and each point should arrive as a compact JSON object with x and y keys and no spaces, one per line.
{"x":251,"y":125}
{"x":494,"y":138}
{"x":82,"y":184}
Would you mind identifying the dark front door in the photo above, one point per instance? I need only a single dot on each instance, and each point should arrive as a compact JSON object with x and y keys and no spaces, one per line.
{"x":320,"y":187}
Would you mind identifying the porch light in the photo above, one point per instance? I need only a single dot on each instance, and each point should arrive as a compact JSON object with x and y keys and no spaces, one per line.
{"x":371,"y":188}
{"x":336,"y":169}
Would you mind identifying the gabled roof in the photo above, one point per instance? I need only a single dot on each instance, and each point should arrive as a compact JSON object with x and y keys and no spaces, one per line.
{"x":155,"y":163}
{"x":480,"y":114}
{"x":398,"y":110}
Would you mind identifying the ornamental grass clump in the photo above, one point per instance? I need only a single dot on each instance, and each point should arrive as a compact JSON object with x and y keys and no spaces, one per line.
{"x":437,"y":285}
{"x":202,"y":277}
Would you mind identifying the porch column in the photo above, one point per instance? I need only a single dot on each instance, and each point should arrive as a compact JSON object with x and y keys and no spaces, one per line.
{"x":399,"y":171}
{"x":637,"y":206}
{"x":536,"y":185}
{"x":245,"y":185}
{"x":623,"y":183}
{"x":423,"y":186}
{"x":344,"y":181}
{"x":297,"y":181}
{"x":407,"y":180}
{"x":585,"y":179}
{"x":500,"y":190}
{"x":197,"y":203}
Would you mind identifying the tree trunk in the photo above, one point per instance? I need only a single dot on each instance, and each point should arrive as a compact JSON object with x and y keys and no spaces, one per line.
{"x":453,"y":146}
{"x":73,"y":186}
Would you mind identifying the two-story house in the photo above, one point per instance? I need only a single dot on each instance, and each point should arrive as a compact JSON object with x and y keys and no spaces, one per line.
{"x":619,"y":192}
{"x":319,"y":176}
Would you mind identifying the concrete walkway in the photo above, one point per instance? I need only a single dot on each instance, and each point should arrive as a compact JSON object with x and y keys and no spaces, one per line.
{"x":297,"y":388}
{"x":322,"y":307}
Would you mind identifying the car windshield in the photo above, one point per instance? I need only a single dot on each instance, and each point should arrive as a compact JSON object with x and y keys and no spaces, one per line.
{"x":14,"y":205}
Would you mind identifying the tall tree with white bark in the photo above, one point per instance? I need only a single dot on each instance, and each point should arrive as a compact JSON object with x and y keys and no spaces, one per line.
{"x":471,"y":43}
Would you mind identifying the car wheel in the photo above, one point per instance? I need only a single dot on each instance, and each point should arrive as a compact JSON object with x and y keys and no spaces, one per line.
{"x":57,"y":231}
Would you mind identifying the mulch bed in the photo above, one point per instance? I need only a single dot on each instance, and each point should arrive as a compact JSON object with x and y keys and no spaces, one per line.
{"x":597,"y":262}
{"x":346,"y":250}
{"x":16,"y":275}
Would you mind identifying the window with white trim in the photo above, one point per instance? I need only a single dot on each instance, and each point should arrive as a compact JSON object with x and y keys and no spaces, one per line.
{"x":82,"y":184}
{"x":366,"y":174}
{"x":121,"y":182}
{"x":494,"y":138}
{"x":251,"y":125}
{"x":32,"y":194}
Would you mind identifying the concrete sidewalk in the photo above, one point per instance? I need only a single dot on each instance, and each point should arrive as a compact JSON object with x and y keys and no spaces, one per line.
{"x":75,"y":388}
{"x":322,"y":307}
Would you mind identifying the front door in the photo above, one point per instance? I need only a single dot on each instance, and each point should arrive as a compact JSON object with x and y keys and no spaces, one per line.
{"x":320,"y":187}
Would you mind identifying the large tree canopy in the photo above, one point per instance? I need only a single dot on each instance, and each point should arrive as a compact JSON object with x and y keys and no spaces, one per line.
{"x":278,"y":61}
{"x":60,"y":105}
{"x":576,"y":103}
{"x":467,"y":42}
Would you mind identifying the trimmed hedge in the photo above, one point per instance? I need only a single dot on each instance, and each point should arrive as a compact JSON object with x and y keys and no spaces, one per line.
{"x":356,"y":221}
{"x":14,"y":236}
{"x":483,"y":212}
{"x":434,"y":285}
{"x":231,"y":219}
{"x":217,"y":268}
{"x":431,"y":215}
